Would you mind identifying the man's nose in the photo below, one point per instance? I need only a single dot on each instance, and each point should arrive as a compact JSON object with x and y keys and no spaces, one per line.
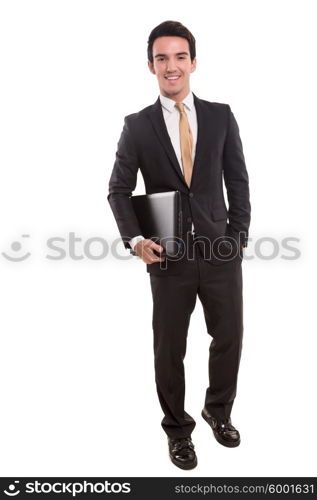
{"x":170,"y":66}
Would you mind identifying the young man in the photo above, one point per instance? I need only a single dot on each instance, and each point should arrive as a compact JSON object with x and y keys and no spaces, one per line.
{"x":187,"y":144}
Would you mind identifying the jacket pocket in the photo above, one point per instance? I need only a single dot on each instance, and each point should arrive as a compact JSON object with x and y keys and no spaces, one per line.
{"x":220,"y":213}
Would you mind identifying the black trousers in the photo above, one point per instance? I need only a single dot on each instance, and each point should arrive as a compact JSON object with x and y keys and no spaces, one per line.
{"x":219,"y":288}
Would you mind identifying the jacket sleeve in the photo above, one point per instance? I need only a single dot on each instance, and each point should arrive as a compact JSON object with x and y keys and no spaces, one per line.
{"x":122,"y":182}
{"x":236,"y":181}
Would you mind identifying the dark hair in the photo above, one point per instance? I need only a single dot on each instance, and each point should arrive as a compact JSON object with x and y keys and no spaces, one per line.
{"x":171,"y":28}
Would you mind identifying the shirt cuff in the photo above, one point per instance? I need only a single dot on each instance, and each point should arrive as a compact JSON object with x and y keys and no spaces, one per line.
{"x":135,"y":240}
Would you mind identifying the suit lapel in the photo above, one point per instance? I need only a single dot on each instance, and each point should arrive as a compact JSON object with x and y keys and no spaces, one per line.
{"x":158,"y":122}
{"x":157,"y":119}
{"x":201,"y":132}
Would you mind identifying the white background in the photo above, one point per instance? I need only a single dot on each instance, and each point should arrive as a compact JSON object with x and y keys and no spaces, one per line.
{"x":78,"y":394}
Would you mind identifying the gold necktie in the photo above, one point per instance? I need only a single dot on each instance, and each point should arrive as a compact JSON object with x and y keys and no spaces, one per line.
{"x":186,"y":143}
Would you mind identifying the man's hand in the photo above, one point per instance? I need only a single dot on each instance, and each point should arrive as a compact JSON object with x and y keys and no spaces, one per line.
{"x":144,"y":249}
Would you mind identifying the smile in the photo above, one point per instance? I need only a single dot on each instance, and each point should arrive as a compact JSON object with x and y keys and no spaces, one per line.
{"x":172,"y":77}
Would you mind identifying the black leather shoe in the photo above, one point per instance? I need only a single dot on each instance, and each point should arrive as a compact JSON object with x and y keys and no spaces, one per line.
{"x":182,"y":453}
{"x":223,"y":430}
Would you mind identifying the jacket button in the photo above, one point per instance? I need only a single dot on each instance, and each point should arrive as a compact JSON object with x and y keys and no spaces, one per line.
{"x":189,"y":219}
{"x":191,"y":195}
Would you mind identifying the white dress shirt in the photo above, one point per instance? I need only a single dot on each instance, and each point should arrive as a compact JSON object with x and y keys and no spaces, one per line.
{"x":171,"y":116}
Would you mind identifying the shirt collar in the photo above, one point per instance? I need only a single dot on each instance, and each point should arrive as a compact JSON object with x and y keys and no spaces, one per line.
{"x":169,"y":104}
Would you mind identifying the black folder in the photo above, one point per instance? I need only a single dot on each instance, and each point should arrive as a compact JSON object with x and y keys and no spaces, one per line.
{"x":160,"y":219}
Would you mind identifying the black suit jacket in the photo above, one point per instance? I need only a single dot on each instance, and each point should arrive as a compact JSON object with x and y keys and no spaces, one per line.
{"x":145,"y":144}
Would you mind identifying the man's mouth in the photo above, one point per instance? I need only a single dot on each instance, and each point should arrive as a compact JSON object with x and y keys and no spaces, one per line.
{"x":175,"y":77}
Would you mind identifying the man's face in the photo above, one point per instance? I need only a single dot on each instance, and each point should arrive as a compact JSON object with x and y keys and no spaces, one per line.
{"x":172,"y":66}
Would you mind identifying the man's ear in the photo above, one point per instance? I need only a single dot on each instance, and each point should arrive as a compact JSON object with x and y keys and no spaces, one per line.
{"x":151,"y":67}
{"x":194,"y":62}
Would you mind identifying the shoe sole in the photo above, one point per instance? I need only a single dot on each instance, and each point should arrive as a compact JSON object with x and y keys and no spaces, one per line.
{"x":218,"y":438}
{"x":184,"y":466}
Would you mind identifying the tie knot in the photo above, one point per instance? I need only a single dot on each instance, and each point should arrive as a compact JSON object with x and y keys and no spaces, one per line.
{"x":180,"y":107}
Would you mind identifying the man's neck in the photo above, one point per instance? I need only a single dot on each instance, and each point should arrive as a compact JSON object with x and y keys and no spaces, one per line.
{"x":177,"y":98}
